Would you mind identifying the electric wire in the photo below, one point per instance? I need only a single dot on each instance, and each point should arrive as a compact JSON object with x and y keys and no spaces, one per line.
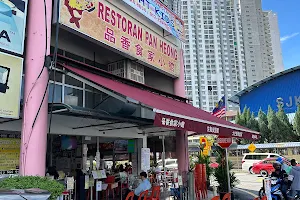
{"x":27,"y":98}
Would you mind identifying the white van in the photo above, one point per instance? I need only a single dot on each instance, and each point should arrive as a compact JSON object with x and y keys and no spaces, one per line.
{"x":250,"y":158}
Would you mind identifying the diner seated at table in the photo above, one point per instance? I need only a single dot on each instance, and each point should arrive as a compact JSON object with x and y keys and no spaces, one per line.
{"x":143,"y":186}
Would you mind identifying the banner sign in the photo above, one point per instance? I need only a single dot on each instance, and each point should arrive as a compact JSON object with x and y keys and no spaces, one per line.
{"x":11,"y":68}
{"x":160,"y":14}
{"x":115,"y":28}
{"x":12,"y":25}
{"x":9,"y":155}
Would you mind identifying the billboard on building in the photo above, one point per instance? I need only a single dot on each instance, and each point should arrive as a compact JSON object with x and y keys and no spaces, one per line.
{"x":12,"y":25}
{"x":108,"y":24}
{"x":11,"y":68}
{"x":157,"y":12}
{"x":9,"y":154}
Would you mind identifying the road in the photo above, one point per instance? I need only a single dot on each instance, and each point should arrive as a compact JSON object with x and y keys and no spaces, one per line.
{"x":249,"y":184}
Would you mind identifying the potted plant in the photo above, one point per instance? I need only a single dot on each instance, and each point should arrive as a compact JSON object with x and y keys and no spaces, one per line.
{"x":220,"y":174}
{"x":29,"y":182}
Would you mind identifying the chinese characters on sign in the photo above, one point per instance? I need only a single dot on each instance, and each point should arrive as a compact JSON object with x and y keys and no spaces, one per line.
{"x":115,"y":28}
{"x":172,"y":123}
{"x":211,"y":129}
{"x":161,"y":15}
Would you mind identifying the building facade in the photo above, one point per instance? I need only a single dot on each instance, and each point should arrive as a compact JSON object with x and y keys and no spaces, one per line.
{"x":277,"y":90}
{"x":262,"y":41}
{"x":213,"y":52}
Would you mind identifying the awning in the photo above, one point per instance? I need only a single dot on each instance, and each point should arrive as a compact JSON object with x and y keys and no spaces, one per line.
{"x":169,"y":112}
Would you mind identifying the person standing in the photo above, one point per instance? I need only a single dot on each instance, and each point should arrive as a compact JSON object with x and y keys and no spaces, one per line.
{"x":295,"y":178}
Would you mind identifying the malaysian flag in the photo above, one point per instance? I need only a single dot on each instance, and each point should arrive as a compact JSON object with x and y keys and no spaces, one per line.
{"x":220,"y":109}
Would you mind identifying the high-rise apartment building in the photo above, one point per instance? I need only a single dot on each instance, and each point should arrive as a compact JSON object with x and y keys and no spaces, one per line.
{"x":213,"y":52}
{"x":273,"y":40}
{"x":261,"y":40}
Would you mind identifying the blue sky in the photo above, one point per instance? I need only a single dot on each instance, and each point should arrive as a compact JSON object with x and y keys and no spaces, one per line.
{"x":289,"y":24}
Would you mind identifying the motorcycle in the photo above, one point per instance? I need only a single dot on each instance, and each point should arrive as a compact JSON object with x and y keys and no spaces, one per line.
{"x":275,"y":191}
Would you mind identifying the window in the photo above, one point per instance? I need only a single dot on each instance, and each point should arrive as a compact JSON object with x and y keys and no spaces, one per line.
{"x":73,"y":96}
{"x":57,"y":94}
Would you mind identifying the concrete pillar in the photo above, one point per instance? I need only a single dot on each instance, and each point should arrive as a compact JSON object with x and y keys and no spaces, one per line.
{"x":182,"y":152}
{"x":181,"y":136}
{"x":34,"y":137}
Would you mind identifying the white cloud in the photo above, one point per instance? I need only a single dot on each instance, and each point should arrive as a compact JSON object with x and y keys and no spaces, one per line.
{"x":287,"y":37}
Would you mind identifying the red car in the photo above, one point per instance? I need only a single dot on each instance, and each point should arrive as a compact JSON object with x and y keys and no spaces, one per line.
{"x":265,"y":167}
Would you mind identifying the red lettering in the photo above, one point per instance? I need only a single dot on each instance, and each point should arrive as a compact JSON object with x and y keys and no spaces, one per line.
{"x":161,"y":46}
{"x":134,"y":33}
{"x":154,"y":42}
{"x":119,"y":19}
{"x":140,"y":34}
{"x":107,"y":14}
{"x":165,"y":48}
{"x":113,"y":17}
{"x":100,"y":10}
{"x":124,"y":25}
{"x":129,"y":28}
{"x":168,"y":50}
{"x":147,"y":37}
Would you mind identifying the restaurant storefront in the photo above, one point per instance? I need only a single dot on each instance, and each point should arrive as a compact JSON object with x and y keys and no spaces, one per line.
{"x":115,"y":78}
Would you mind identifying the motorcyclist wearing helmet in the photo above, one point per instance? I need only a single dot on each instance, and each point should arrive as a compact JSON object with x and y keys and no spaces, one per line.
{"x":282,"y":176}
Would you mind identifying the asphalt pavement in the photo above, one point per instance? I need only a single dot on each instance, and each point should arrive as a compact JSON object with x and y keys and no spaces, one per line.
{"x":248,"y":186}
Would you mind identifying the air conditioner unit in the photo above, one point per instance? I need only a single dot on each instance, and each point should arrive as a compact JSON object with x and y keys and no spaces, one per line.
{"x":133,"y":70}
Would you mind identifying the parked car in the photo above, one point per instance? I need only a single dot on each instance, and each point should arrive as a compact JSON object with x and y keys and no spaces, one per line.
{"x":250,"y":158}
{"x":265,"y":167}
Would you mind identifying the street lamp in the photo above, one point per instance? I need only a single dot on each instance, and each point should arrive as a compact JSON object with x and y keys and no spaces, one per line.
{"x":4,"y":75}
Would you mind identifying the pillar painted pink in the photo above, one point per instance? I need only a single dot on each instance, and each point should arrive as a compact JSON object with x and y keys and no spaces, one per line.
{"x":179,"y":82}
{"x":181,"y":136}
{"x":34,"y":140}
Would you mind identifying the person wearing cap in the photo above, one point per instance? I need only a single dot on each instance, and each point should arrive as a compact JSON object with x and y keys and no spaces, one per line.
{"x":282,"y":176}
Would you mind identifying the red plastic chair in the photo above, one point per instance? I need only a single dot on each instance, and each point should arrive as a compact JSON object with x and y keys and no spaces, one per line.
{"x":155,"y":195}
{"x":110,"y":180}
{"x":143,"y":195}
{"x":130,"y":196}
{"x":227,"y":196}
{"x":216,"y":198}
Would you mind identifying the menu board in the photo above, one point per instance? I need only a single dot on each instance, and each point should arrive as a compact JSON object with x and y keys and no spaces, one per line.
{"x":9,"y":155}
{"x":121,"y":146}
{"x":145,"y":158}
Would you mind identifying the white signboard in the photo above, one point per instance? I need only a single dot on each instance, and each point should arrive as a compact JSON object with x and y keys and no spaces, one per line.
{"x":99,"y":174}
{"x":70,"y":183}
{"x":145,"y":159}
{"x":99,"y":186}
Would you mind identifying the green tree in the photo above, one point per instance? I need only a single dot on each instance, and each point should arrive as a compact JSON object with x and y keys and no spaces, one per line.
{"x":297,"y":122}
{"x":238,"y":118}
{"x":253,"y":123}
{"x":286,"y":127}
{"x":274,"y":126}
{"x":263,"y":127}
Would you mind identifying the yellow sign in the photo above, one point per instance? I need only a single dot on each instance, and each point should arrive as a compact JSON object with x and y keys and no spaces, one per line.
{"x":206,"y":147}
{"x":11,"y":68}
{"x":111,"y":26}
{"x":9,"y":153}
{"x":251,"y":147}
